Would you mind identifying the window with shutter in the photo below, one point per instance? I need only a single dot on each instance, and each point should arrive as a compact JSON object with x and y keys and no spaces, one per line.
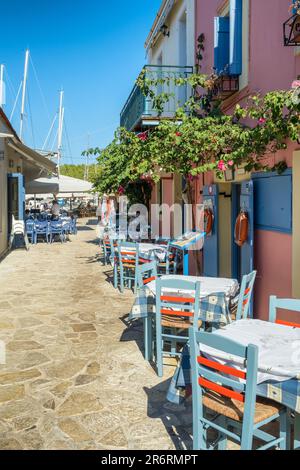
{"x":221,"y":45}
{"x":236,"y":37}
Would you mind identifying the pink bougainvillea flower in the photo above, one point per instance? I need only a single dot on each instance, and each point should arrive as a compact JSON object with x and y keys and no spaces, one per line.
{"x":230,"y":163}
{"x":262,"y":120}
{"x":121,"y":190}
{"x":221,"y":165}
{"x":178,"y":134}
{"x":296,"y":84}
{"x":142,"y":136}
{"x":191,"y":178}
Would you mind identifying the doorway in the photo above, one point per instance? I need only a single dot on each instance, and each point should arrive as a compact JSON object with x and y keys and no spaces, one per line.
{"x":222,"y":256}
{"x":236,"y":251}
{"x":15,"y":198}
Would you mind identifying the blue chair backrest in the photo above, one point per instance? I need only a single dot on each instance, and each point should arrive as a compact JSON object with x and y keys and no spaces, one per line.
{"x":41,"y":226}
{"x":108,"y":245}
{"x":172,"y":301}
{"x":146,"y":273}
{"x":56,"y":224}
{"x":285,"y":304}
{"x":208,"y":374}
{"x":30,"y":225}
{"x":128,"y":253}
{"x":245,"y":295}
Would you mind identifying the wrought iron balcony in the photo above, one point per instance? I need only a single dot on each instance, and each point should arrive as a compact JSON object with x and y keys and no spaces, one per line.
{"x":139,"y":112}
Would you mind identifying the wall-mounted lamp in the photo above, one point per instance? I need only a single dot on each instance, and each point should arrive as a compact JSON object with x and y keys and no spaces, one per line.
{"x":19,"y":169}
{"x":11,"y":164}
{"x":165,"y":30}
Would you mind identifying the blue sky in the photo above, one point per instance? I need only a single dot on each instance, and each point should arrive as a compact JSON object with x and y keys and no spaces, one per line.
{"x":94,"y":49}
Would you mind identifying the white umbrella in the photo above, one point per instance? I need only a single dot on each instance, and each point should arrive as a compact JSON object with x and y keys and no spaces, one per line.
{"x":64,"y":185}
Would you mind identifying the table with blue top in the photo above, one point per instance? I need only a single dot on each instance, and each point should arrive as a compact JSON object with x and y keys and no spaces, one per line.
{"x":184,"y":244}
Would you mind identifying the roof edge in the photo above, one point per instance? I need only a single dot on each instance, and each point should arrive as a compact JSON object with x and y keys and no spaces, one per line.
{"x":161,"y":9}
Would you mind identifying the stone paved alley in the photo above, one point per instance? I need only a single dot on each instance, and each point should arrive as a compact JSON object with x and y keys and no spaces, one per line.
{"x":75,"y":377}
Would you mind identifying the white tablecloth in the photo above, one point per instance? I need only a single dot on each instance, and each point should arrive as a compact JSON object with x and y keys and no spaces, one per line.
{"x":208,"y":285}
{"x":279,"y":348}
{"x":151,"y":249}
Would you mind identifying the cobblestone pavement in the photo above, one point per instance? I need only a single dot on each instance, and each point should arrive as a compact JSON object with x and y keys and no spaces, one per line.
{"x":75,"y":377}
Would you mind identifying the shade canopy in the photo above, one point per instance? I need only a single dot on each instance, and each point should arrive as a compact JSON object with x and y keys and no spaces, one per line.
{"x":64,"y":186}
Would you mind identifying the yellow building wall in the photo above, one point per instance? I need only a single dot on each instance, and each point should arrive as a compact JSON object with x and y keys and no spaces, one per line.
{"x":225,"y":231}
{"x":296,"y":224}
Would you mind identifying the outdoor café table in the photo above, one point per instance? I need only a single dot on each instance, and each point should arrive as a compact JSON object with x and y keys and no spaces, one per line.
{"x":152,"y":251}
{"x":185,"y":243}
{"x":278,"y":363}
{"x":144,"y":304}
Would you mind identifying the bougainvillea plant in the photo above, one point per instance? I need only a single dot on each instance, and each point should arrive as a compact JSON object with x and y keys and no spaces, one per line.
{"x":295,"y":6}
{"x":200,"y":138}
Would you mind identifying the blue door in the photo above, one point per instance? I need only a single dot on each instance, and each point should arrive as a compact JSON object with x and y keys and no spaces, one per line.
{"x":211,"y":242}
{"x":247,"y":205}
{"x":16,"y":197}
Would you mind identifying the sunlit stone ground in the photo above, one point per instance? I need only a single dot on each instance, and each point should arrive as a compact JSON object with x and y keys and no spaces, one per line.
{"x":75,"y":376}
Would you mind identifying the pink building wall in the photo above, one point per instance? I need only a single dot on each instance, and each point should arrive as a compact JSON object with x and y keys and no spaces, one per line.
{"x":271,"y":66}
{"x":273,"y":261}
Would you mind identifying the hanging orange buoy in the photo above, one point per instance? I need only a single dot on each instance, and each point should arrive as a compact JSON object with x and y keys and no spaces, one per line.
{"x":241,"y":228}
{"x":208,"y":221}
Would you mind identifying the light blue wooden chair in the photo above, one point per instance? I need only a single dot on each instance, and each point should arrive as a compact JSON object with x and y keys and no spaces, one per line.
{"x":31,"y":230}
{"x":175,"y":313}
{"x":224,"y":398}
{"x":244,"y":300}
{"x":170,"y":265}
{"x":284,"y":304}
{"x":107,"y":250}
{"x":113,"y":259}
{"x":128,"y":262}
{"x":146,"y":273}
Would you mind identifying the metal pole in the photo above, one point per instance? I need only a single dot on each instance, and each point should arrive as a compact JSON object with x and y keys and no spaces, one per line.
{"x":24,"y":92}
{"x":87,"y":160}
{"x":60,"y":129}
{"x":2,"y":89}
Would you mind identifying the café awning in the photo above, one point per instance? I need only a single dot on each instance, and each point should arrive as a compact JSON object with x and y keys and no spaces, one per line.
{"x":64,"y":186}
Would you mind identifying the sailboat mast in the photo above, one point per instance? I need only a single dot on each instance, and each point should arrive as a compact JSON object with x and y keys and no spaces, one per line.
{"x":60,"y":129}
{"x":2,"y":86}
{"x":24,"y":92}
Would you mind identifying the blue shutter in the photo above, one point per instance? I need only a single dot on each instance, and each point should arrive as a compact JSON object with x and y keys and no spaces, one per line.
{"x":236,"y":37}
{"x":211,"y":242}
{"x":221,"y":44}
{"x":294,"y":11}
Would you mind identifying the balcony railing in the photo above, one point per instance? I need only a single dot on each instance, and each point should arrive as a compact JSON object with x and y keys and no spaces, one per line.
{"x":139,"y":110}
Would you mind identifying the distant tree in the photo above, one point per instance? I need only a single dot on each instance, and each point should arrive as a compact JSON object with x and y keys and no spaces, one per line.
{"x":77,"y":171}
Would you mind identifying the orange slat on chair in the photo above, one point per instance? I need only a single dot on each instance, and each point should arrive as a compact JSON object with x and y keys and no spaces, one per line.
{"x":146,"y":281}
{"x":128,"y":261}
{"x":226,"y":392}
{"x":127,"y":253}
{"x":246,"y":292}
{"x":176,"y":313}
{"x":220,"y":367}
{"x":144,"y":261}
{"x":183,"y":300}
{"x":287,"y":323}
